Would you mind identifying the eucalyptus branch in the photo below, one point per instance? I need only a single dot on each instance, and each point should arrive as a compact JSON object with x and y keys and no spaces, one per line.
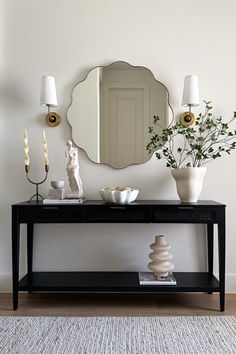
{"x":184,"y":149}
{"x":203,"y":142}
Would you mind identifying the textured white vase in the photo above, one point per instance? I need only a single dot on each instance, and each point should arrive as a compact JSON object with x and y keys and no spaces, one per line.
{"x":160,"y":257}
{"x":189,"y":182}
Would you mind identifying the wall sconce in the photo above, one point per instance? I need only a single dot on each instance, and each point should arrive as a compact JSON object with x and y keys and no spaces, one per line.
{"x":190,"y":99}
{"x":48,"y":98}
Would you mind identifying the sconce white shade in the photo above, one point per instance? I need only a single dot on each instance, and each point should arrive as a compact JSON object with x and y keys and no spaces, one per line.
{"x":48,"y":96}
{"x":191,"y":91}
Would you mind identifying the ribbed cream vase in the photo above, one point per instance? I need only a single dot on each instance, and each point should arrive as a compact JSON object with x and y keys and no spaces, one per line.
{"x":160,"y":257}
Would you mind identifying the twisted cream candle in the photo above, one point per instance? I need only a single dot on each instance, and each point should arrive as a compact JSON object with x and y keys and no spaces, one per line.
{"x":26,"y":148}
{"x":45,"y":149}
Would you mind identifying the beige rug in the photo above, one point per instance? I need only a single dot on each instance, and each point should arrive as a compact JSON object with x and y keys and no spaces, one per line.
{"x":116,"y":335}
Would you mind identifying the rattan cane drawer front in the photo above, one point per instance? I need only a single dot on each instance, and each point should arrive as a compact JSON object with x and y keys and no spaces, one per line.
{"x":184,"y":214}
{"x":52,"y":214}
{"x":120,"y":214}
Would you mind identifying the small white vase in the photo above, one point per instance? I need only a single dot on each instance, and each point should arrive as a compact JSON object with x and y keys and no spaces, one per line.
{"x":189,"y":182}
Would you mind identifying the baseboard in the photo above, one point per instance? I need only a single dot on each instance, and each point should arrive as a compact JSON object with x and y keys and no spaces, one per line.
{"x":6,"y":283}
{"x":230,"y":283}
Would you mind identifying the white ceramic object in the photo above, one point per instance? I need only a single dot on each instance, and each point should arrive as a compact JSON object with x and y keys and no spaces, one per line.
{"x":189,"y":182}
{"x":160,"y":257}
{"x":57,"y":184}
{"x":125,"y":196}
{"x":72,"y":170}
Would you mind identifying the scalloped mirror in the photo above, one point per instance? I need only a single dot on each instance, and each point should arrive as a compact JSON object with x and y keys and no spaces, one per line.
{"x":111,"y":111}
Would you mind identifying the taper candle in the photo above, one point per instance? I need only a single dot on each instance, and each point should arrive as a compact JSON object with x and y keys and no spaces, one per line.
{"x":45,"y":149}
{"x":26,"y":148}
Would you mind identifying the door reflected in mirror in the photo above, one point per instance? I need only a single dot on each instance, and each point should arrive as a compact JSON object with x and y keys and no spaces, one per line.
{"x":111,"y":111}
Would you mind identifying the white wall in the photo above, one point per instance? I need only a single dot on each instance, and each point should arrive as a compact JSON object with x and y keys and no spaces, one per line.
{"x":66,"y":38}
{"x":86,"y":94}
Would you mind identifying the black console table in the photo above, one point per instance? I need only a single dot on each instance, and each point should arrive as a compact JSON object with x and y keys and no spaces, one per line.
{"x":142,"y":211}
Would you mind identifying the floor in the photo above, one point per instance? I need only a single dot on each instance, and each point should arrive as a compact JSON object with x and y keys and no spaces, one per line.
{"x":116,"y":305}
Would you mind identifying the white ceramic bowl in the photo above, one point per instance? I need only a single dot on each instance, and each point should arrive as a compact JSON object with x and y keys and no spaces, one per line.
{"x":57,"y":184}
{"x":119,"y":197}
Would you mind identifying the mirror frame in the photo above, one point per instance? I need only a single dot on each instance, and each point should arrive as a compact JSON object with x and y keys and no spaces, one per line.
{"x":106,"y":66}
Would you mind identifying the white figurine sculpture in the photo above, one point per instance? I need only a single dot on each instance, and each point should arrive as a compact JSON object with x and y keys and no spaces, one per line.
{"x":160,"y":257}
{"x":73,"y":171}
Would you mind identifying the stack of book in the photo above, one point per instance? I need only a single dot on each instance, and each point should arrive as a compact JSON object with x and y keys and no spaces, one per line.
{"x":64,"y":201}
{"x":148,"y":278}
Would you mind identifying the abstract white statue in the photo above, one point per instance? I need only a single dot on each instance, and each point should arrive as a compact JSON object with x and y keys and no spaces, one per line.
{"x":73,"y":171}
{"x":160,"y":257}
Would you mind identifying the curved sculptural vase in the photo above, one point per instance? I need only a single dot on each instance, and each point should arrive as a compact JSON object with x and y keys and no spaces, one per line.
{"x":160,"y":257}
{"x":189,"y":182}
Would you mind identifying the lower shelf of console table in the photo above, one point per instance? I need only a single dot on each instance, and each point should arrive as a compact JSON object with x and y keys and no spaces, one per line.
{"x":114,"y":282}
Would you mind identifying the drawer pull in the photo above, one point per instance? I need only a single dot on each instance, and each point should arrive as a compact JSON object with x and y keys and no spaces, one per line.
{"x":117,"y":207}
{"x":186,"y":208}
{"x":50,"y":208}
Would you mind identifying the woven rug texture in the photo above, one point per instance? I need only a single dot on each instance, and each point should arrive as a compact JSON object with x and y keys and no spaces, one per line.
{"x":118,"y":335}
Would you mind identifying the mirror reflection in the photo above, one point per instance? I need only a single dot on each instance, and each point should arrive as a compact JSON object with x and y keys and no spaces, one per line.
{"x":111,"y":111}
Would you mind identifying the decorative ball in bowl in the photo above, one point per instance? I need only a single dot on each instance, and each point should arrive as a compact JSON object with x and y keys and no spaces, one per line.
{"x":57,"y":184}
{"x":119,"y":194}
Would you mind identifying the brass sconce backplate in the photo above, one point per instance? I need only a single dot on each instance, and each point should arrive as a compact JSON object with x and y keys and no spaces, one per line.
{"x":53,"y":119}
{"x":187,"y":118}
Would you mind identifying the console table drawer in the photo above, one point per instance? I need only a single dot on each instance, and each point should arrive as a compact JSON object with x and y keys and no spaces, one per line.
{"x":51,"y":214}
{"x":185,"y":214}
{"x":118,"y":213}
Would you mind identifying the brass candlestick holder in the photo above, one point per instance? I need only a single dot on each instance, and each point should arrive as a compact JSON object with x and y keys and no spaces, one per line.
{"x":37,"y":195}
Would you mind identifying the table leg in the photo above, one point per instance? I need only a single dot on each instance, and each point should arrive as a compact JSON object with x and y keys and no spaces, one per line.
{"x":30,"y":241}
{"x":210,"y":246}
{"x":221,"y":248}
{"x":15,"y":257}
